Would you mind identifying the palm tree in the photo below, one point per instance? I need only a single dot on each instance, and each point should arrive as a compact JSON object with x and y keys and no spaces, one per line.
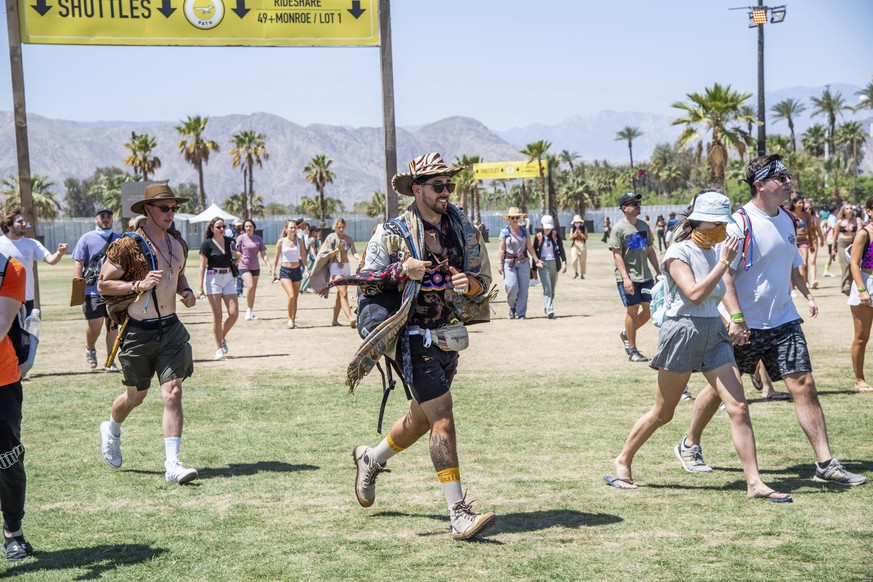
{"x":376,"y":206}
{"x":536,"y":151}
{"x":467,"y":185}
{"x":568,"y":157}
{"x":865,"y":97}
{"x":852,"y":134}
{"x":716,"y":111}
{"x":249,"y":148}
{"x":318,"y":173}
{"x":238,"y":204}
{"x":814,"y":139}
{"x":140,"y":158}
{"x":196,"y":150}
{"x":45,"y":202}
{"x":789,"y":110}
{"x":830,"y":105}
{"x":629,"y":134}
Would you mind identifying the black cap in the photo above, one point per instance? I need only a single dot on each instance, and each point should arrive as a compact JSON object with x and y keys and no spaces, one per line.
{"x":103,"y":209}
{"x":629,"y":197}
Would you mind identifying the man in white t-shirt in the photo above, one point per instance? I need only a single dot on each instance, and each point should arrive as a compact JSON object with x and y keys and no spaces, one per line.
{"x":25,"y":249}
{"x":764,"y":324}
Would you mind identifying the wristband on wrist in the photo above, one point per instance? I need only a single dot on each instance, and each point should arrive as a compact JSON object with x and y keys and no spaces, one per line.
{"x":740,"y":320}
{"x":725,"y":262}
{"x":862,"y":289}
{"x":738,"y":317}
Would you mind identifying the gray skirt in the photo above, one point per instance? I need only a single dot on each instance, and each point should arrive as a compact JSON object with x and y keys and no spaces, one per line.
{"x":692,"y":344}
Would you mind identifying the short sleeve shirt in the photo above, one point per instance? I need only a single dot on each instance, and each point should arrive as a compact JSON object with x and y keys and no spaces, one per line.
{"x":632,"y":240}
{"x":215,"y":259}
{"x":26,"y":250}
{"x":14,"y":284}
{"x":249,"y":247}
{"x":701,"y":262}
{"x":514,"y":244}
{"x":88,"y":247}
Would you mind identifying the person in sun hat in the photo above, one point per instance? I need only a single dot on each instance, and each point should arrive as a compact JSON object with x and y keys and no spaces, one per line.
{"x":432,"y":261}
{"x":693,"y":339}
{"x":632,"y":245}
{"x":155,"y":341}
{"x":764,"y":323}
{"x":549,"y":249}
{"x":515,"y":249}
{"x":578,"y":252}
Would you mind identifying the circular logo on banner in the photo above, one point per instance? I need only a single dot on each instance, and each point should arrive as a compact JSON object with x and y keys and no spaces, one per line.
{"x":509,"y":170}
{"x":204,"y":14}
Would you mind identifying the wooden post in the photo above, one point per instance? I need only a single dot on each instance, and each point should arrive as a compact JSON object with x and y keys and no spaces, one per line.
{"x":20,"y":119}
{"x":389,"y":127}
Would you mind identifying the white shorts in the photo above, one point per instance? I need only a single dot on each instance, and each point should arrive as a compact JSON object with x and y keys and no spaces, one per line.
{"x":341,"y":269}
{"x":219,"y":283}
{"x":854,"y":296}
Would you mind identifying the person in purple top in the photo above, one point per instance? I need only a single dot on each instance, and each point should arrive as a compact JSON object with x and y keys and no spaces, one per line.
{"x":88,"y":252}
{"x":250,"y":245}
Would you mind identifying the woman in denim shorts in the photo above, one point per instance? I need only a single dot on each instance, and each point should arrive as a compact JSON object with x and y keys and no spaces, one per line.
{"x":290,"y":250}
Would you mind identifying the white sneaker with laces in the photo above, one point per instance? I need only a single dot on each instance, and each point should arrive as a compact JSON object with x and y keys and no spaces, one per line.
{"x":219,"y":354}
{"x":466,"y":523}
{"x":177,"y":473}
{"x":110,"y":445}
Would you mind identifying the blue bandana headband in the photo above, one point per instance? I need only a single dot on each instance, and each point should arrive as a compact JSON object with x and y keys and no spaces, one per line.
{"x":774,"y":167}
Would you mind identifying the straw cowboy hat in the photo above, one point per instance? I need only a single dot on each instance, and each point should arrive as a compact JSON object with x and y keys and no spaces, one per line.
{"x":576,"y":218}
{"x":425,"y":166}
{"x":156,"y":193}
{"x":514,"y":211}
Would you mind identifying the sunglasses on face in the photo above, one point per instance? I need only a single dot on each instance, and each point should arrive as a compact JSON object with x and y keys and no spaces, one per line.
{"x":783,"y":178}
{"x":634,"y":203}
{"x":221,"y":226}
{"x":514,"y":218}
{"x":438,"y":187}
{"x":166,"y":209}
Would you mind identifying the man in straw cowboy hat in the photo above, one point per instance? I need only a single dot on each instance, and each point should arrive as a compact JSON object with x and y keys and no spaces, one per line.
{"x":436,"y":259}
{"x":513,"y":253}
{"x":145,"y":272}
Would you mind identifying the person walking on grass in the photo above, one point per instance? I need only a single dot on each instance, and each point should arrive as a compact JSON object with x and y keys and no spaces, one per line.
{"x":578,"y":252}
{"x":217,"y":276}
{"x":88,"y":252}
{"x":333,"y":261}
{"x":249,"y":246}
{"x":632,"y":245}
{"x":291,"y":252}
{"x":693,"y":339}
{"x":512,"y":254}
{"x":764,"y":324}
{"x":549,"y":249}
{"x":861,"y":268}
{"x":448,"y":283}
{"x":155,"y":341}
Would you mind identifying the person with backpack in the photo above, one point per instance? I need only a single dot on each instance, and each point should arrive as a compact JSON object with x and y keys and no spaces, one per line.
{"x":861,"y":268}
{"x":88,"y":257}
{"x":764,"y":323}
{"x":12,"y":474}
{"x":549,"y":249}
{"x":515,"y":248}
{"x":143,"y":273}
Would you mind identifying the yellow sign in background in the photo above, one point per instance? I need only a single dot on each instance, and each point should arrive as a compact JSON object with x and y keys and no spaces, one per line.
{"x":200,"y":22}
{"x":508,"y":170}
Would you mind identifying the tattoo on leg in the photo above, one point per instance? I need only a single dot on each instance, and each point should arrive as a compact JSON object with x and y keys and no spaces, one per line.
{"x":442,"y":453}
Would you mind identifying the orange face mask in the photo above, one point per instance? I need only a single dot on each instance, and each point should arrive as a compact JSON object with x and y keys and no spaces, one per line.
{"x":706,"y":239}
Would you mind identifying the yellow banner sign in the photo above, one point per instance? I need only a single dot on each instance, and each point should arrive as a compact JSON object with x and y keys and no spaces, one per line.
{"x":201,"y":22}
{"x":508,"y":170}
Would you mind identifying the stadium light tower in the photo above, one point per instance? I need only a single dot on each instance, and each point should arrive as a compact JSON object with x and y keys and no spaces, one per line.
{"x":758,"y":17}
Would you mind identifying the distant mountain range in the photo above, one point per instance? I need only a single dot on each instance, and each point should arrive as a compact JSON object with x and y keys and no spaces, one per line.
{"x":63,"y":149}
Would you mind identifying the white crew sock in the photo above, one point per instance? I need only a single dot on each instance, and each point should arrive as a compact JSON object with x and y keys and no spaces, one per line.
{"x":172,"y":446}
{"x":385,"y":450}
{"x":114,"y":427}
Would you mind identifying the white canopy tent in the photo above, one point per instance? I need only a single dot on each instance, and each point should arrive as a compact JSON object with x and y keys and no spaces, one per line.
{"x":211,"y":213}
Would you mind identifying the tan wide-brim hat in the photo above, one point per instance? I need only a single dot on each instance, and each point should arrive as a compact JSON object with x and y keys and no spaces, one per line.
{"x":514,"y":211}
{"x":576,"y":218}
{"x":136,"y":220}
{"x":425,"y":166}
{"x":156,"y":193}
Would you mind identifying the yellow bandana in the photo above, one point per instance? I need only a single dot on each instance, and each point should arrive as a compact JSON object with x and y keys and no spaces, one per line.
{"x":706,"y":239}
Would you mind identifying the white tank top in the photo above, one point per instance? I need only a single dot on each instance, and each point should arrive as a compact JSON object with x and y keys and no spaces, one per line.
{"x":290,"y":254}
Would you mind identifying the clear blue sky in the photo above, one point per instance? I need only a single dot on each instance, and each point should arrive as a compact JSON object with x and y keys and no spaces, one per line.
{"x":507,"y":63}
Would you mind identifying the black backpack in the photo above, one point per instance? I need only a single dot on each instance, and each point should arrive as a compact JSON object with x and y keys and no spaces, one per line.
{"x":21,"y":340}
{"x":92,"y":269}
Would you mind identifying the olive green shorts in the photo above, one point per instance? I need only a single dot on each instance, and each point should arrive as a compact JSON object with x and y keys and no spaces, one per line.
{"x":148,"y":350}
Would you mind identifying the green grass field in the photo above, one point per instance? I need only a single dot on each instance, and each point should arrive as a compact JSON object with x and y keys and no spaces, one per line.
{"x":542,"y":406}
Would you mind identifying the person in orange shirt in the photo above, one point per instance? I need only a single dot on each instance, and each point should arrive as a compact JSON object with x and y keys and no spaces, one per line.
{"x":13,"y":480}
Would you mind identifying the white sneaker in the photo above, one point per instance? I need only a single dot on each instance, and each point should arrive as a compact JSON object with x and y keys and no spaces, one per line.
{"x":686,"y":394}
{"x":177,"y":473}
{"x":219,"y":354}
{"x":250,"y":316}
{"x":110,"y":445}
{"x":466,"y":523}
{"x":113,"y":368}
{"x":224,"y":346}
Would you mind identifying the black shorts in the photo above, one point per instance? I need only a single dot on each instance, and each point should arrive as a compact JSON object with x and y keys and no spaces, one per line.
{"x":94,"y":307}
{"x":782,"y":349}
{"x":293,"y":273}
{"x":148,"y":350}
{"x":432,"y":370}
{"x":642,"y":293}
{"x":254,"y":272}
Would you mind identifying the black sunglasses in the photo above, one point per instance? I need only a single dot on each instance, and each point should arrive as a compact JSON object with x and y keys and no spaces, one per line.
{"x":166,"y":209}
{"x":783,"y":178}
{"x":438,"y":187}
{"x":633,"y":203}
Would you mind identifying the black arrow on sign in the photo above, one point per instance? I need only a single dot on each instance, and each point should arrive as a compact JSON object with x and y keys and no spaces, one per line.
{"x":241,"y":9}
{"x":41,"y":7}
{"x":165,"y":8}
{"x":356,"y":10}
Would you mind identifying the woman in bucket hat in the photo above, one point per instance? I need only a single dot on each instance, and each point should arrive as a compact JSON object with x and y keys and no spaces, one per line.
{"x":515,"y":248}
{"x":578,"y":252}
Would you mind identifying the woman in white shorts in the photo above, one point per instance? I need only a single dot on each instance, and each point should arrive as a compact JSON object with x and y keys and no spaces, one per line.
{"x":217,"y":265}
{"x":861,"y":268}
{"x":340,"y":246}
{"x":693,"y":339}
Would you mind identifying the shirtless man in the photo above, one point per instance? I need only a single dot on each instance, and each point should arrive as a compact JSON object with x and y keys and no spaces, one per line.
{"x":155,"y":341}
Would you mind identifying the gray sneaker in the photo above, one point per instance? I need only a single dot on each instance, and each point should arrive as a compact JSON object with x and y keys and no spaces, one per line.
{"x":623,"y":336}
{"x":368,"y":470}
{"x":634,"y":355}
{"x":466,"y":523}
{"x":836,"y":473}
{"x":691,"y":458}
{"x":110,"y":445}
